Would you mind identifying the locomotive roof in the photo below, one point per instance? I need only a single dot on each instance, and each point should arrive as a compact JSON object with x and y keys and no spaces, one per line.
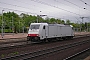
{"x":53,"y":24}
{"x":59,"y":25}
{"x":39,"y":23}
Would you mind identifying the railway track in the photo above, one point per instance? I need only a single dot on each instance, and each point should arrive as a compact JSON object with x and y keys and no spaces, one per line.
{"x":41,"y":46}
{"x":43,"y":52}
{"x":13,"y":40}
{"x":23,"y":42}
{"x":75,"y":56}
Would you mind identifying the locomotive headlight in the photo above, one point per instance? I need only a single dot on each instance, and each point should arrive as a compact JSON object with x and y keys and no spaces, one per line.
{"x":28,"y":34}
{"x":37,"y":35}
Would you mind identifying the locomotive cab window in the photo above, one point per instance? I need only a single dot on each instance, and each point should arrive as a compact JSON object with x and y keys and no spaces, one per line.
{"x":34,"y":26}
{"x":43,"y":27}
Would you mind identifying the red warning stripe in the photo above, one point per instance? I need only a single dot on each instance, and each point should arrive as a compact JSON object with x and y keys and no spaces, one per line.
{"x":33,"y":34}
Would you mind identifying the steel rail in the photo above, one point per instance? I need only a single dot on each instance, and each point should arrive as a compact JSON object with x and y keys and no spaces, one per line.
{"x":35,"y":54}
{"x":18,"y":44}
{"x":76,"y":54}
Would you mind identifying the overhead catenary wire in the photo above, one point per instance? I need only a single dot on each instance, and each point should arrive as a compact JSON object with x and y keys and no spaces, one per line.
{"x":59,"y":8}
{"x":69,"y":5}
{"x":18,"y":10}
{"x":14,"y":5}
{"x":72,"y":3}
{"x":48,"y":4}
{"x":76,"y":5}
{"x":78,"y":19}
{"x":85,"y":2}
{"x":62,"y":3}
{"x":29,"y":8}
{"x":56,"y":6}
{"x":17,"y":5}
{"x":33,"y":5}
{"x":41,"y":2}
{"x":26,"y":12}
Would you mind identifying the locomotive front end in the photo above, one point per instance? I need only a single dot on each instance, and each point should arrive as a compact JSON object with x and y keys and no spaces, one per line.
{"x":33,"y":33}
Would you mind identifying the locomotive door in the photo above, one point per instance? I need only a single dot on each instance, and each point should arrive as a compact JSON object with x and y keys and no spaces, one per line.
{"x":46,"y":31}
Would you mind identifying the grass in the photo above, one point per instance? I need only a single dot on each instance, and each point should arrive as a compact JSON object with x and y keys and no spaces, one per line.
{"x":10,"y":54}
{"x":6,"y":30}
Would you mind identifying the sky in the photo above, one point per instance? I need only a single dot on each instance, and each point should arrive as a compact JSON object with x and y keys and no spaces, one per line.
{"x":71,"y":10}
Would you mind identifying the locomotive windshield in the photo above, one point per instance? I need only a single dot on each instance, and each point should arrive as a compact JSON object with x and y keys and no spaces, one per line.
{"x":34,"y":26}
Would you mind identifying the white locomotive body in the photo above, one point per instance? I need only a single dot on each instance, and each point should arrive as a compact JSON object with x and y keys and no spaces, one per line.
{"x":46,"y":32}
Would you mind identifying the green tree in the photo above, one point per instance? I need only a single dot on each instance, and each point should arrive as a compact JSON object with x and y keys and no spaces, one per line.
{"x":8,"y":20}
{"x":47,"y":20}
{"x":52,"y":20}
{"x":68,"y":22}
{"x":62,"y":21}
{"x":0,"y":20}
{"x":58,"y":21}
{"x":24,"y":20}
